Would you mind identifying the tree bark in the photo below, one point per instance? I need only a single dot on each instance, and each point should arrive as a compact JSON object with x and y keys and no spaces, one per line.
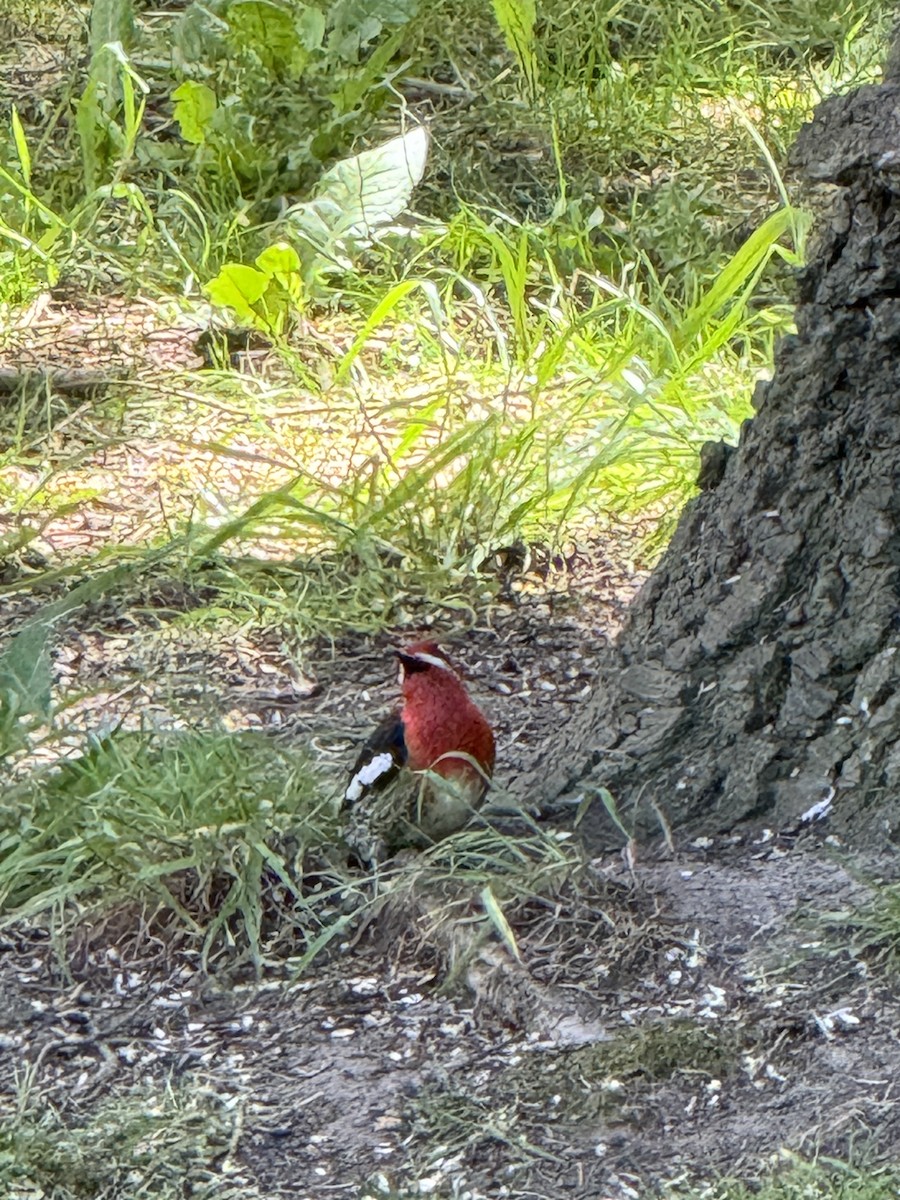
{"x":759,"y":674}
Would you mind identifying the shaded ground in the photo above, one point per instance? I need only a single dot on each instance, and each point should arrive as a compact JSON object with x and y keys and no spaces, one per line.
{"x":731,"y":1027}
{"x":734,"y":1031}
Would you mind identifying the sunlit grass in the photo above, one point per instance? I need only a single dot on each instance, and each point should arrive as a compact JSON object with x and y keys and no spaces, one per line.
{"x":439,"y":435}
{"x":502,"y":374}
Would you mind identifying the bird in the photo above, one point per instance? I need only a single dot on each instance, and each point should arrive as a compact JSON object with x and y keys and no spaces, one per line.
{"x":438,"y":731}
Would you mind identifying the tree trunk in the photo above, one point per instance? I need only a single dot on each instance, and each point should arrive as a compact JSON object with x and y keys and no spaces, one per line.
{"x":758,"y":674}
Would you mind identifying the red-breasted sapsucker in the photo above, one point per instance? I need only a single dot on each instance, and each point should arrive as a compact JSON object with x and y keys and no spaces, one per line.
{"x":438,"y":730}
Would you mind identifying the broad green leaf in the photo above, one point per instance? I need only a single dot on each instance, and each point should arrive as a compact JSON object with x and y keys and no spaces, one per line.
{"x":111,"y":21}
{"x":281,"y":263}
{"x":310,"y":27}
{"x":195,"y":105}
{"x":362,"y":194}
{"x":279,"y":260}
{"x":112,"y":37}
{"x":88,"y":124}
{"x":268,"y":29}
{"x":238,"y":287}
{"x":373,"y":188}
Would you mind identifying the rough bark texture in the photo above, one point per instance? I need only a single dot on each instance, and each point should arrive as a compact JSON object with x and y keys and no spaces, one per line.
{"x":758,"y":672}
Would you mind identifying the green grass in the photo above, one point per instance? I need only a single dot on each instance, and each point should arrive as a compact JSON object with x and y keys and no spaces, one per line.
{"x":870,"y":931}
{"x":825,"y":1179}
{"x":202,"y":835}
{"x":570,"y":399}
{"x":226,"y":843}
{"x":151,"y":1142}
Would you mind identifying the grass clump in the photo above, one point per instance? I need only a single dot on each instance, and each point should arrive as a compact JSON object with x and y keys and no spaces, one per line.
{"x":597,"y":1079}
{"x":162,"y":1143}
{"x":588,"y":399}
{"x":801,"y":1179}
{"x":201,"y":832}
{"x":870,"y":931}
{"x":661,"y":1050}
{"x":228,"y":846}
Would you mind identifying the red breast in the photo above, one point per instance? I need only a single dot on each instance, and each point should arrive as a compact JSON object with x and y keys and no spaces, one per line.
{"x":439,"y":718}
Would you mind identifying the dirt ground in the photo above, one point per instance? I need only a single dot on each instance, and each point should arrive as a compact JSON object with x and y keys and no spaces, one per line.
{"x":703,"y":1020}
{"x":732,"y":1033}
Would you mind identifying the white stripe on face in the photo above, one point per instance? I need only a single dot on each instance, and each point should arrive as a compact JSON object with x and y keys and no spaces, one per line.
{"x":368,"y":774}
{"x":432,"y":660}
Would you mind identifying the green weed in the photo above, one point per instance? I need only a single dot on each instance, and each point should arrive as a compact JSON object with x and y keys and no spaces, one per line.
{"x":871,"y":930}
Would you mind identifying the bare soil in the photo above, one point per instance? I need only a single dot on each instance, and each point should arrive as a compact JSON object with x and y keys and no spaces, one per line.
{"x":732,"y":1031}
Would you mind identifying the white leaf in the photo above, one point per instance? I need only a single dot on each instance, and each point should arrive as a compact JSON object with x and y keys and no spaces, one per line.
{"x":359,"y":195}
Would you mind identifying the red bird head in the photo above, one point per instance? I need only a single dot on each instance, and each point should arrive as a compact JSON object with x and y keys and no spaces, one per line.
{"x":422,"y":658}
{"x":438,"y":715}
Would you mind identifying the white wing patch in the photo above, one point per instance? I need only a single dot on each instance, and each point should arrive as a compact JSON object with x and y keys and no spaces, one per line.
{"x":368,"y":774}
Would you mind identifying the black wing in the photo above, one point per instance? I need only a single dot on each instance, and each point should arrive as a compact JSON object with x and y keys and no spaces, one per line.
{"x":379,"y":761}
